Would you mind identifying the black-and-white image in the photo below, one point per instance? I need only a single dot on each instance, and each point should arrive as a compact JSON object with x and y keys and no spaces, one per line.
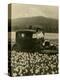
{"x":32,"y":40}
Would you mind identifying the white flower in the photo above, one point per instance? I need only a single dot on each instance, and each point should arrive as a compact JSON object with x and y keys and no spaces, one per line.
{"x":14,"y":74}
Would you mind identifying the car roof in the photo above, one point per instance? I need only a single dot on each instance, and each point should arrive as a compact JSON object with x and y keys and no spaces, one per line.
{"x":26,"y":30}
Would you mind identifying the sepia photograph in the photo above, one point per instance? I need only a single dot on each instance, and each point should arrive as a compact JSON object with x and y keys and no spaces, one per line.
{"x":33,"y":42}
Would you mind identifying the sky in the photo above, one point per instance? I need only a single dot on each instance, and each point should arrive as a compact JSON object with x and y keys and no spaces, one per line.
{"x":27,"y":10}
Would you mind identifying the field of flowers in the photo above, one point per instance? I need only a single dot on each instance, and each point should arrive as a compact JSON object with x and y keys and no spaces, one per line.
{"x":28,"y":63}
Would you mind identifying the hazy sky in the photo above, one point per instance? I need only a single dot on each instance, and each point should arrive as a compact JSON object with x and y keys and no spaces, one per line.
{"x":22,"y":10}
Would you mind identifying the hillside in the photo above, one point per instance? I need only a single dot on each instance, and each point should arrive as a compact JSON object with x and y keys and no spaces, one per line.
{"x":48,"y":24}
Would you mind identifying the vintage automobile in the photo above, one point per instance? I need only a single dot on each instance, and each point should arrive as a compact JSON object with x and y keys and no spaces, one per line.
{"x":26,"y":42}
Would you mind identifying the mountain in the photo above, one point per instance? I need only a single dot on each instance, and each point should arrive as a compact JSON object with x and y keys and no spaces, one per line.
{"x":48,"y":24}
